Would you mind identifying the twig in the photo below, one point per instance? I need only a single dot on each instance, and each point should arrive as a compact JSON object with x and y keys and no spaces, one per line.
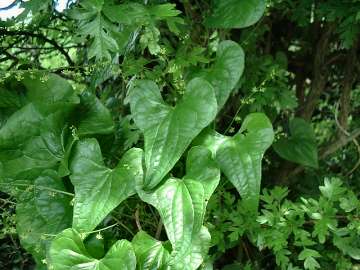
{"x":123,"y":225}
{"x":159,"y":229}
{"x":137,"y":220}
{"x":5,"y":32}
{"x":40,"y":187}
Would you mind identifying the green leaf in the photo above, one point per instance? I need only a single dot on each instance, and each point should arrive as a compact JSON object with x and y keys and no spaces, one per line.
{"x":348,"y":245}
{"x":31,"y":139}
{"x":239,"y":157}
{"x":67,"y":252}
{"x":168,"y":131}
{"x":137,"y":14}
{"x":103,"y":42}
{"x":45,"y":95}
{"x":308,"y":256}
{"x":235,"y":13}
{"x":311,"y":263}
{"x":332,"y":189}
{"x":226,"y":71}
{"x":150,"y":253}
{"x":9,"y":99}
{"x":51,"y":199}
{"x":99,"y":189}
{"x":92,"y":23}
{"x":95,"y":118}
{"x":182,"y":205}
{"x":308,"y":253}
{"x":300,"y":147}
{"x":41,"y":209}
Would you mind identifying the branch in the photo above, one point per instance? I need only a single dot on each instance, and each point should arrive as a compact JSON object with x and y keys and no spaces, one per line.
{"x":41,"y":36}
{"x":320,"y":71}
{"x":332,"y":148}
{"x":347,"y":86}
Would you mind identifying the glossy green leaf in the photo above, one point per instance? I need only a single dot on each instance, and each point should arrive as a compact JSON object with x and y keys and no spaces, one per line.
{"x":226,"y":71}
{"x":42,"y":209}
{"x":168,"y":131}
{"x":150,"y":253}
{"x":95,"y":118}
{"x":301,"y":146}
{"x":9,"y":99}
{"x":30,"y":140}
{"x":182,"y":205}
{"x":239,"y":157}
{"x":45,"y":96}
{"x":51,"y":199}
{"x":99,"y":189}
{"x":235,"y":13}
{"x":67,"y":252}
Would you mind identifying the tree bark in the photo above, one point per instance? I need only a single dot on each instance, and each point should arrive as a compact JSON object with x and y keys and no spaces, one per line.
{"x":320,"y":73}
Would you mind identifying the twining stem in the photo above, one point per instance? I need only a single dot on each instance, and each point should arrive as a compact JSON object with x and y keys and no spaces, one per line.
{"x":40,"y":187}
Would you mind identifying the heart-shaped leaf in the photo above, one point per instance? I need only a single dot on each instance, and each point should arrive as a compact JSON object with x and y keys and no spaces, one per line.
{"x":239,"y":157}
{"x":168,"y":131}
{"x":67,"y":252}
{"x":301,"y":146}
{"x":226,"y":71}
{"x":95,"y":118}
{"x":99,"y":189}
{"x":150,"y":253}
{"x":42,"y":208}
{"x":235,"y":13}
{"x":182,"y":205}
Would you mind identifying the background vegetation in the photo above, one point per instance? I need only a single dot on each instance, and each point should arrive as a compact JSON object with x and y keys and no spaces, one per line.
{"x":301,"y":69}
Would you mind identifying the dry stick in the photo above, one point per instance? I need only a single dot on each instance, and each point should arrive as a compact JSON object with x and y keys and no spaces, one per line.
{"x":122,"y":225}
{"x":159,"y":229}
{"x":137,"y":220}
{"x":343,"y":130}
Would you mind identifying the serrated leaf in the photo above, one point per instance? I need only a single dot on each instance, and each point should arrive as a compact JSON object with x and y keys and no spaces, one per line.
{"x":308,"y":253}
{"x":67,"y":252}
{"x":239,"y":157}
{"x":99,"y":189}
{"x":348,"y":245}
{"x":235,"y":13}
{"x":150,"y":253}
{"x":103,"y":43}
{"x":332,"y":189}
{"x":168,"y":131}
{"x":138,"y":14}
{"x":301,"y":146}
{"x":163,"y":11}
{"x":311,"y":264}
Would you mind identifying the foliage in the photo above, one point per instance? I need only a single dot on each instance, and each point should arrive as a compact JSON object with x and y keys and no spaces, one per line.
{"x":296,"y":230}
{"x":138,"y":134}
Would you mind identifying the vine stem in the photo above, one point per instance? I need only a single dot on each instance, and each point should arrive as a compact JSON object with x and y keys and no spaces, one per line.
{"x":123,"y":225}
{"x":103,"y":229}
{"x":237,"y":112}
{"x":40,"y":187}
{"x":7,"y":201}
